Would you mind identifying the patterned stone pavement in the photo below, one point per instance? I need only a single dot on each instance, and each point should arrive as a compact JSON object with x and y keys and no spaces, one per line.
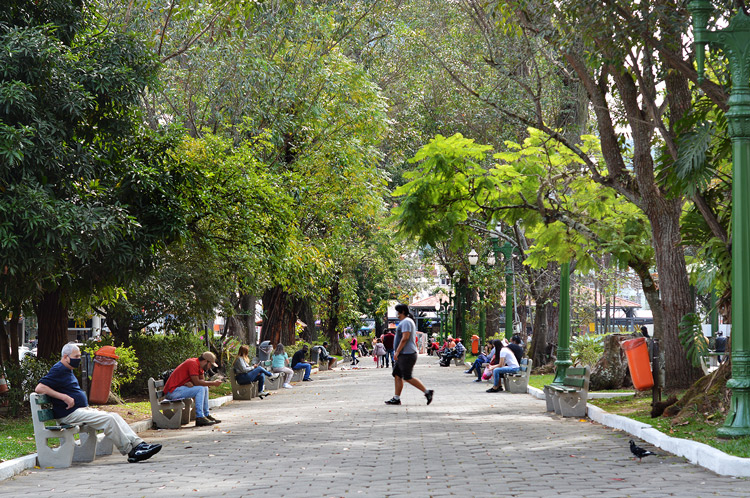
{"x":335,"y":437}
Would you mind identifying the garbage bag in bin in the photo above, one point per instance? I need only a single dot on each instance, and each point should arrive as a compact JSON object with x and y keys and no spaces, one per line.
{"x":264,"y":351}
{"x":638,"y":362}
{"x":105,"y":362}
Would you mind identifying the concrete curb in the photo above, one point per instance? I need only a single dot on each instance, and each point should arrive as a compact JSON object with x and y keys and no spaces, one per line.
{"x":17,"y":465}
{"x":696,"y":453}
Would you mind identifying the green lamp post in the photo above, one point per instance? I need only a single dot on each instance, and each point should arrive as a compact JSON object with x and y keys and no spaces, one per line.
{"x":507,"y":252}
{"x":481,"y":327}
{"x":563,"y":331}
{"x":734,"y":40}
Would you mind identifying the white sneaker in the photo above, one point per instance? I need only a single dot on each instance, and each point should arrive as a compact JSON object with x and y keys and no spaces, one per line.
{"x":288,"y":386}
{"x":275,"y":376}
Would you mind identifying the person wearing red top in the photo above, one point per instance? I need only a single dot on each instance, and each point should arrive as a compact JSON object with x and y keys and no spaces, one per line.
{"x":187,"y":381}
{"x":388,"y":343}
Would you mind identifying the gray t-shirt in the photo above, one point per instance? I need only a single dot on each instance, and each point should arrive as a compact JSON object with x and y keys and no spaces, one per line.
{"x":406,"y":325}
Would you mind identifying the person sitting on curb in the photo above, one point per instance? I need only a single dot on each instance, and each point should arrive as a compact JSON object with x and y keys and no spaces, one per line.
{"x":280,"y":365}
{"x":323,"y":355}
{"x":504,"y":362}
{"x":70,"y":406}
{"x":246,"y":374}
{"x":187,"y":381}
{"x":299,"y":363}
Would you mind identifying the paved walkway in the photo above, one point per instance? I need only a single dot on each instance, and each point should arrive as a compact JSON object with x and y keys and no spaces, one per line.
{"x":335,"y":437}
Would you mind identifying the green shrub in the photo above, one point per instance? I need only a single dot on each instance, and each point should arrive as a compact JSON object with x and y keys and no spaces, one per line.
{"x":157,"y":353}
{"x":586,"y":349}
{"x":22,"y":381}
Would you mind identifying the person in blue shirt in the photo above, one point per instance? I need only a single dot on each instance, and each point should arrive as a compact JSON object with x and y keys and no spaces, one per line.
{"x":405,"y":356}
{"x":70,"y":406}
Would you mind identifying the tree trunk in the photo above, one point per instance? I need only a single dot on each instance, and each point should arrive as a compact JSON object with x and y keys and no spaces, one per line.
{"x":278,"y":317}
{"x":52,"y":315}
{"x":305,"y":313}
{"x":539,"y":338}
{"x":13,"y":333}
{"x":611,"y":371}
{"x":4,"y":346}
{"x":332,"y":322}
{"x":247,"y":305}
{"x":379,"y":325}
{"x":674,"y":291}
{"x":120,"y":327}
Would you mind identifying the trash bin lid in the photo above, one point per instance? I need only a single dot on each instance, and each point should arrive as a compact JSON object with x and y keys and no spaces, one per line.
{"x":632,"y":343}
{"x":108,"y":351}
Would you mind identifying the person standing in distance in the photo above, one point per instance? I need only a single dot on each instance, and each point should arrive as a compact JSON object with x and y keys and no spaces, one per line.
{"x":405,"y":356}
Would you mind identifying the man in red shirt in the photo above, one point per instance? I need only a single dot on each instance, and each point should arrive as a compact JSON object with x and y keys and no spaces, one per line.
{"x":388,"y":343}
{"x":187,"y":381}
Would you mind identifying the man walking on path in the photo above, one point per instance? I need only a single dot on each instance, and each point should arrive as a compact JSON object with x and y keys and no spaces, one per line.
{"x":405,"y":356}
{"x":70,"y":406}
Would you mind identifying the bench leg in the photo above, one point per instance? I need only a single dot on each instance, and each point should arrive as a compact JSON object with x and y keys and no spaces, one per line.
{"x":104,"y":446}
{"x":85,"y":449}
{"x":549,"y":396}
{"x":572,"y":404}
{"x":60,"y":457}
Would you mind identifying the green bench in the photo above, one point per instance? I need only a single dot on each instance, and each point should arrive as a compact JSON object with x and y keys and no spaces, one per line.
{"x":84,"y":449}
{"x":569,"y":399}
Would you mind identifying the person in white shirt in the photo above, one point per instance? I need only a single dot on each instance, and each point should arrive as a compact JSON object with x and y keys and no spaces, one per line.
{"x":505,"y":363}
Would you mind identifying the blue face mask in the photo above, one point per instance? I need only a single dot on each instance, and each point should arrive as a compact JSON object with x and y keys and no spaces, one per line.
{"x":74,"y":362}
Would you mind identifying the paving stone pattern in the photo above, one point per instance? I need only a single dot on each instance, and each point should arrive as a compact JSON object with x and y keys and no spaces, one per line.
{"x":335,"y":437}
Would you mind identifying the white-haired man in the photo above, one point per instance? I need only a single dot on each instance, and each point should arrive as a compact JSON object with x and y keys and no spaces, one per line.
{"x":70,"y":406}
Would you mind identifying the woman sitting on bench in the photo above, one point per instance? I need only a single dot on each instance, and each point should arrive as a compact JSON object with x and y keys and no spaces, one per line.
{"x":245,"y":374}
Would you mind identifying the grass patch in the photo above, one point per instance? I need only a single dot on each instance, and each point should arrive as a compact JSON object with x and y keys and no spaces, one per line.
{"x":224,"y":389}
{"x":699,"y":428}
{"x":17,"y":438}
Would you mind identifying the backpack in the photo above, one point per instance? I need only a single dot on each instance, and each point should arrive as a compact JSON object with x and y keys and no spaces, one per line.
{"x":165,"y":375}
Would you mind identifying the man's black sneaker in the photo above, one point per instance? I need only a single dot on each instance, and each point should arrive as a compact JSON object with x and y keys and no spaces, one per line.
{"x":143,"y":451}
{"x":212,"y":419}
{"x":203,"y":421}
{"x":306,"y":380}
{"x":393,"y":401}
{"x":428,"y":395}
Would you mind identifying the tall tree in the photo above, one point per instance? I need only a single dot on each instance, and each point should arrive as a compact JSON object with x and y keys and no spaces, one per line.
{"x":87,"y":192}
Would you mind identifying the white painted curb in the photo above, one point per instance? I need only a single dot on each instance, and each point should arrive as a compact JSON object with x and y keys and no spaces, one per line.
{"x":695,"y":452}
{"x":17,"y":465}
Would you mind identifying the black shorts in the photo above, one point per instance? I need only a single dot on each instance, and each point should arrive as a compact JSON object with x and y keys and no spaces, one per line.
{"x":404,"y":365}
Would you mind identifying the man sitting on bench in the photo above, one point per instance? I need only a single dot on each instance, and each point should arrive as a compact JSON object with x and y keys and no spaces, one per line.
{"x":187,"y":381}
{"x":323,"y":355}
{"x":70,"y":406}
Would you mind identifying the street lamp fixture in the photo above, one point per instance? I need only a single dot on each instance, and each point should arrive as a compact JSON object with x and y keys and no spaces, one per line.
{"x":473,"y":258}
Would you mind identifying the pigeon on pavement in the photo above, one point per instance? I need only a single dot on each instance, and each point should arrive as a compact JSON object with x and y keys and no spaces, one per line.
{"x":638,"y":451}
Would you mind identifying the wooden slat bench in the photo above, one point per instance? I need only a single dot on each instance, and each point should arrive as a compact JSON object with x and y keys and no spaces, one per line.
{"x":69,"y":450}
{"x":165,"y":413}
{"x":569,"y":399}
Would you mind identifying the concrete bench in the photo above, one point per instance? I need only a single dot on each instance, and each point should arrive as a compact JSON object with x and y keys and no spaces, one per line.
{"x":460,"y":361}
{"x":69,"y":450}
{"x":242,"y":391}
{"x":518,"y":383}
{"x":569,"y":399}
{"x":165,"y":413}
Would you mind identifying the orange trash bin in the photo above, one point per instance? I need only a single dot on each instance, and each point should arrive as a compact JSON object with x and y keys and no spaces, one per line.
{"x":475,"y":344}
{"x":639,"y":363}
{"x":101,"y":380}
